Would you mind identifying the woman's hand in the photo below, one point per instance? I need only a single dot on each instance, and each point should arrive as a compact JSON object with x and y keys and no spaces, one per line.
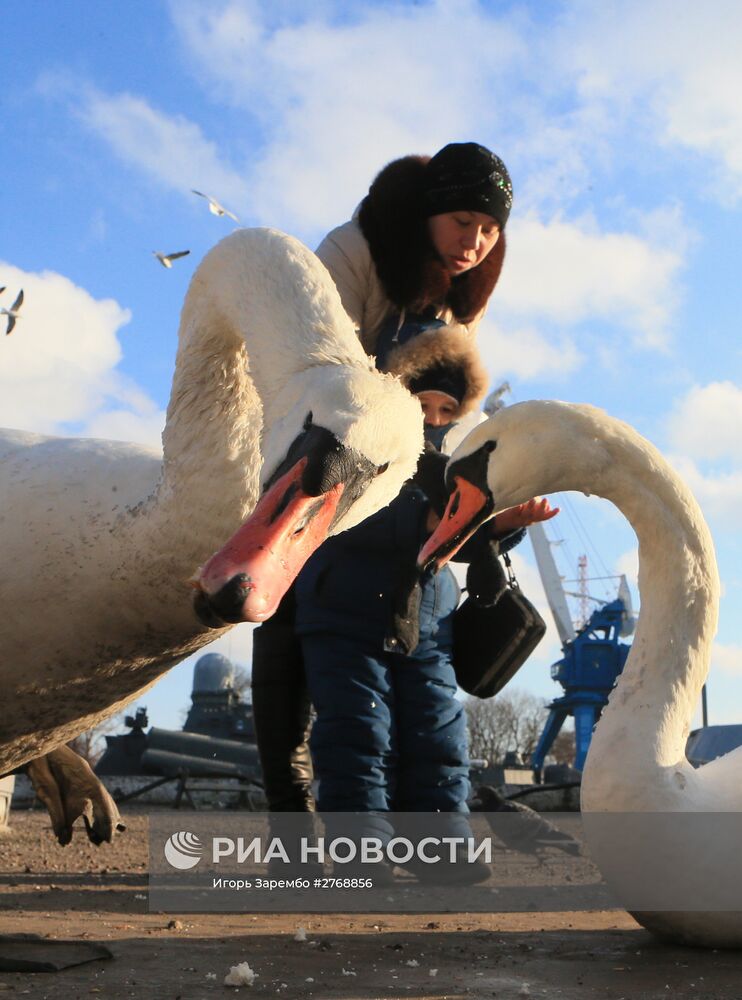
{"x":520,"y":516}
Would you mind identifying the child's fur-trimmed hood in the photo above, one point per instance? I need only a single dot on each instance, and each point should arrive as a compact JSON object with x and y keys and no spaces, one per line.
{"x":449,"y":345}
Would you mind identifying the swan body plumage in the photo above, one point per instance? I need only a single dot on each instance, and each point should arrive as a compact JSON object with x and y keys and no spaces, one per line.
{"x":99,"y":538}
{"x":636,"y":765}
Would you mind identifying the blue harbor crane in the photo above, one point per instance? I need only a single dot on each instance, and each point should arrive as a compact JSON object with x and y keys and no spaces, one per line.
{"x":593,"y":656}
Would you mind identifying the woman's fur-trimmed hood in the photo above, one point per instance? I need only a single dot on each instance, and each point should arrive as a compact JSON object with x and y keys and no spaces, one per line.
{"x":448,"y":345}
{"x":393,"y":220}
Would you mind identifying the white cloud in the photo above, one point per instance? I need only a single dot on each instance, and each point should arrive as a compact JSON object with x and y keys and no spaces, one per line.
{"x":676,"y":77}
{"x":571,"y":272}
{"x":59,"y":364}
{"x":727,"y":659}
{"x":173,"y":150}
{"x":705,"y":422}
{"x":560,"y":274}
{"x":143,"y":426}
{"x":719,"y":494}
{"x":703,"y":431}
{"x":628,"y":565}
{"x":339,"y":96}
{"x":524,"y":353}
{"x":327,"y":93}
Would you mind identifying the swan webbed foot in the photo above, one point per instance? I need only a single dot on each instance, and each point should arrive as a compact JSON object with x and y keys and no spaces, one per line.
{"x":66,"y":784}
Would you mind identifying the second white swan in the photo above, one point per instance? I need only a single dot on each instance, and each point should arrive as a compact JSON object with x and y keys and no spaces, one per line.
{"x":685,"y":852}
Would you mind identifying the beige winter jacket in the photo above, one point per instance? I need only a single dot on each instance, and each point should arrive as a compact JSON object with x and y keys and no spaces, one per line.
{"x":346,"y":255}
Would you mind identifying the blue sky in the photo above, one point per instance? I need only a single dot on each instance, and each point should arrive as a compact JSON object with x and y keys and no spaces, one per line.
{"x":619,"y":123}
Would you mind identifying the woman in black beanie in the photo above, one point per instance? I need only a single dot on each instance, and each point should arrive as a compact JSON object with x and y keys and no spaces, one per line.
{"x":427,"y":241}
{"x":423,"y":251}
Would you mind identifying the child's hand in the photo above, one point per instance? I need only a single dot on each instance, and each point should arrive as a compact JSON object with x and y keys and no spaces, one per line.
{"x":530,"y":512}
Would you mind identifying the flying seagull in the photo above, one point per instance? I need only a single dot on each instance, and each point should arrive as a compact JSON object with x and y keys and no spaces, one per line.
{"x":214,"y":206}
{"x":12,"y":313}
{"x":166,"y":259}
{"x":494,"y":402}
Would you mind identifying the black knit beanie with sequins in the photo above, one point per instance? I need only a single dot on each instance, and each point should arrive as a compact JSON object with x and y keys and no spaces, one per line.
{"x":464,"y":176}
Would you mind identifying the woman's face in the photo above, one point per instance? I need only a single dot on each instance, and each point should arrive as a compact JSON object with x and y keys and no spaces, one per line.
{"x":463,"y":239}
{"x":439,"y":409}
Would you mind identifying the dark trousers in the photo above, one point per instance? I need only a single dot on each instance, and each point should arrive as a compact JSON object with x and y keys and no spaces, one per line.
{"x":281,"y":712}
{"x":389,"y":733}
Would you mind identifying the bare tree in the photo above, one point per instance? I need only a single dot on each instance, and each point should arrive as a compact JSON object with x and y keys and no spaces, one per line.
{"x":563,"y":749}
{"x":512,"y":720}
{"x":242,"y":682}
{"x":92,"y":743}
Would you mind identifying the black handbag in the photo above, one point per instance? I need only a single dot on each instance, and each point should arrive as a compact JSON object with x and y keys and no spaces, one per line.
{"x":490,"y":644}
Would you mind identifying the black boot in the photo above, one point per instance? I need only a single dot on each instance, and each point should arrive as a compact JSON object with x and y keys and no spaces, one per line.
{"x":296,"y":833}
{"x":460,"y":871}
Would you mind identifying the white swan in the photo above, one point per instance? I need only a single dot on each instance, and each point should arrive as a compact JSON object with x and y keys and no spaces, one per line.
{"x":636,"y":765}
{"x":100,"y":538}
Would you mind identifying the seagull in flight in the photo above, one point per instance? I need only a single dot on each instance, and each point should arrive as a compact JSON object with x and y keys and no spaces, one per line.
{"x":494,"y":402}
{"x":214,"y":206}
{"x":12,"y":313}
{"x":166,"y":259}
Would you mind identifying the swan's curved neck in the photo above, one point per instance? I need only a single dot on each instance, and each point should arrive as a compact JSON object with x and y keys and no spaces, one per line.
{"x":646,"y":722}
{"x":259,"y":311}
{"x":211,"y":438}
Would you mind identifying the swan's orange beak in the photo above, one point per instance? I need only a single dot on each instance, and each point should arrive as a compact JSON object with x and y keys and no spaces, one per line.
{"x":247,"y":578}
{"x":467,"y":508}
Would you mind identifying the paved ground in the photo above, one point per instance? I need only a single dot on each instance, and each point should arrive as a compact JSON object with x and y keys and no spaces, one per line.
{"x":81,"y":893}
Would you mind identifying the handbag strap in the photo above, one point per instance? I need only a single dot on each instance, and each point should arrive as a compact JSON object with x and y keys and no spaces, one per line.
{"x":512,"y":582}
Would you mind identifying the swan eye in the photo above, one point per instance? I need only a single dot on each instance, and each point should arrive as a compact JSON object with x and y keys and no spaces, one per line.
{"x":490,"y":445}
{"x":308,"y":421}
{"x":382,"y":468}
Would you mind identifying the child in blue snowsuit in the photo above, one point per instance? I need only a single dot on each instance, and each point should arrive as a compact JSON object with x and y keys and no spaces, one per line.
{"x":389,"y":735}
